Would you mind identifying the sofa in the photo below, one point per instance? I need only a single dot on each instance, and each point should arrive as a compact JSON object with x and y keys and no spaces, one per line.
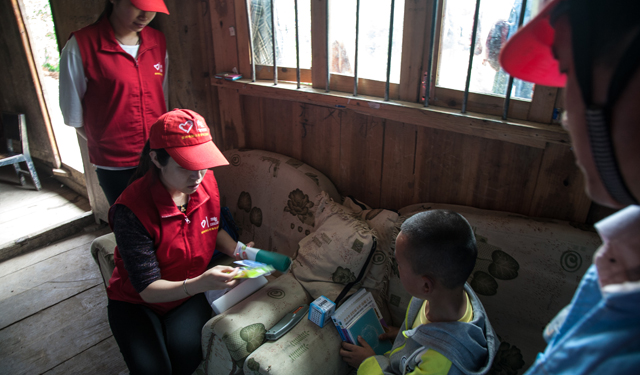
{"x":526,"y":272}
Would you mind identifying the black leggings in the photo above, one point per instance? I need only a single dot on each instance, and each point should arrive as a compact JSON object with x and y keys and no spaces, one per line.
{"x":153,"y":344}
{"x":113,"y":183}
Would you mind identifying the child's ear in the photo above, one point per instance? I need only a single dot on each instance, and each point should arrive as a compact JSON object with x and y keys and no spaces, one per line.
{"x":427,"y":284}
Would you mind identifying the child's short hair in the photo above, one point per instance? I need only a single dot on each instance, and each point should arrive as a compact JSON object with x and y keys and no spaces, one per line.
{"x":441,"y":244}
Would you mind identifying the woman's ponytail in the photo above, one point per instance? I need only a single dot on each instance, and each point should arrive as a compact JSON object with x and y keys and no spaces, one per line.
{"x":145,"y":164}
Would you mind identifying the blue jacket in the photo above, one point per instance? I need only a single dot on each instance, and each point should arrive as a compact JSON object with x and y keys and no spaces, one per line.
{"x":599,"y":334}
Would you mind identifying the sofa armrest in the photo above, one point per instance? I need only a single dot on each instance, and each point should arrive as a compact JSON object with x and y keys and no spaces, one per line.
{"x":102,"y":249}
{"x":306,"y":349}
{"x":228,"y":338}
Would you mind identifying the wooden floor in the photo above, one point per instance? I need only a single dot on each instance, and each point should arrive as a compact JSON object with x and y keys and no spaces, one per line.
{"x":53,"y":305}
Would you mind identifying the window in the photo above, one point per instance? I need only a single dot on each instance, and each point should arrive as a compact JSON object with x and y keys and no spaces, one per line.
{"x":327,"y":38}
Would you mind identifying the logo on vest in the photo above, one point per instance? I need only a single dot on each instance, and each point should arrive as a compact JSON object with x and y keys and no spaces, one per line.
{"x":209,"y":223}
{"x":186,"y":126}
{"x":159,"y":67}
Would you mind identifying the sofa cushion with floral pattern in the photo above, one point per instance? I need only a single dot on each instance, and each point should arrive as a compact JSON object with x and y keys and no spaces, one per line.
{"x":270,"y":197}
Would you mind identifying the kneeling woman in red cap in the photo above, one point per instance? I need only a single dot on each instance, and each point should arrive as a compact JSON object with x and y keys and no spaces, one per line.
{"x":166,"y":225}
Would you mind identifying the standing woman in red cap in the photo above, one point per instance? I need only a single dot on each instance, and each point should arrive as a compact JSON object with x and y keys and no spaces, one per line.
{"x":167,"y":225}
{"x":113,"y":86}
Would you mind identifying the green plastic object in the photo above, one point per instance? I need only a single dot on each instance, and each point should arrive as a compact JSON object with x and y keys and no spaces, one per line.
{"x":278,"y":261}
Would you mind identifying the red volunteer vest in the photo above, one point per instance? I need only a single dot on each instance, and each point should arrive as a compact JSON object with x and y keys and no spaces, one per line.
{"x":184,"y":242}
{"x":124,"y":95}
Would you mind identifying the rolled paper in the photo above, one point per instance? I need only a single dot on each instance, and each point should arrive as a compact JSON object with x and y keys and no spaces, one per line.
{"x":237,"y":294}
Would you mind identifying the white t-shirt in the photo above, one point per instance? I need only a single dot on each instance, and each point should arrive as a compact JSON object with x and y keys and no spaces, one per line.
{"x":73,"y":84}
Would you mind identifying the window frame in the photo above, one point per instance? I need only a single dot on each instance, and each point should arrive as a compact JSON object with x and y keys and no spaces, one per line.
{"x":415,"y":55}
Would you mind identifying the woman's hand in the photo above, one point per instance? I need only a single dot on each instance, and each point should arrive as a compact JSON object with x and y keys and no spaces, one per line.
{"x":219,"y":277}
{"x":238,"y":256}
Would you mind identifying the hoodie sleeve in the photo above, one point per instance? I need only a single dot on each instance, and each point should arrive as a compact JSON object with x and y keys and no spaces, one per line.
{"x":376,"y":365}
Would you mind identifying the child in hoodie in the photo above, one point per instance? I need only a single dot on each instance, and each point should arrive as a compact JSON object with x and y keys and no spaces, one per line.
{"x":446,"y":330}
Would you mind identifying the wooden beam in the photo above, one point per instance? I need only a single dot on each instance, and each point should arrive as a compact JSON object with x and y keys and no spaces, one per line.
{"x":491,"y":127}
{"x":242,"y":38}
{"x":223,"y":25}
{"x":413,"y":46}
{"x":481,"y":103}
{"x":233,"y":133}
{"x":542,"y":104}
{"x":319,"y":54}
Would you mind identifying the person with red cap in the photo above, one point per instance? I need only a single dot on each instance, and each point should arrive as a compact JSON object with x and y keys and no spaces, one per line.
{"x":592,"y":49}
{"x":167,"y":226}
{"x":113,"y":86}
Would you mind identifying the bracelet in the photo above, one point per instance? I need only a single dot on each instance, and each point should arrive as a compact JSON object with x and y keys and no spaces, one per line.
{"x":184,"y":286}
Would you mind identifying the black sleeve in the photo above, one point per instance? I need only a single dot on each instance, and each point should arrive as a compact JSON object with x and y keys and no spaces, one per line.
{"x":136,"y":248}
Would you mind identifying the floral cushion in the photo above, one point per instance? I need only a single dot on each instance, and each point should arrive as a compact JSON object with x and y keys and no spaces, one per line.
{"x":269,"y":196}
{"x":306,"y":349}
{"x":333,"y":255}
{"x":527,"y":270}
{"x":228,"y":338}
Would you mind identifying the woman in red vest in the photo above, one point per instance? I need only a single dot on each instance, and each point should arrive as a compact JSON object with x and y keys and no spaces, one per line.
{"x":113,"y":87}
{"x":166,"y":224}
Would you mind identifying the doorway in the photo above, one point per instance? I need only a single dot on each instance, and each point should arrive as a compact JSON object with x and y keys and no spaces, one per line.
{"x":44,"y":47}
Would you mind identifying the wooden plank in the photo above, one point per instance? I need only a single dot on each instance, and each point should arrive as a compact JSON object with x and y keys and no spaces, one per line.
{"x":481,"y":103}
{"x":44,"y":284}
{"x":254,"y":129}
{"x":102,"y":358}
{"x":26,"y":260}
{"x":209,"y":69}
{"x":319,"y":130}
{"x":42,"y":341}
{"x":491,"y":127}
{"x":224,"y":44}
{"x":398,"y":165}
{"x":436,"y":47}
{"x":560,"y":191}
{"x":51,"y":206}
{"x":361,"y":150}
{"x":97,"y":199}
{"x":46,"y":236}
{"x":542,"y":103}
{"x":319,"y":58}
{"x":369,"y":87}
{"x":242,"y":38}
{"x":460,"y":169}
{"x":231,"y":119}
{"x":413,"y":46}
{"x":280,"y":131}
{"x":265,"y":72}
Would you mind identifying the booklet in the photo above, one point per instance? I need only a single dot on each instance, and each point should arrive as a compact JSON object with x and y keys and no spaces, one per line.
{"x":359,"y":315}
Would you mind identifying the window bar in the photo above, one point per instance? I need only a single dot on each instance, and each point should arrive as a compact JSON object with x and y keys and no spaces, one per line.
{"x":297,"y":45}
{"x":355,"y":70}
{"x":253,"y":56}
{"x":386,"y":88}
{"x":473,"y":47}
{"x":434,"y":18}
{"x":273,"y":42}
{"x":507,"y":97}
{"x":326,"y":22}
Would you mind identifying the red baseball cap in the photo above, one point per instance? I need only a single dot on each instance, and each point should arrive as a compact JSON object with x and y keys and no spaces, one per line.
{"x":528,"y":55}
{"x":186,"y":137}
{"x":150,"y":5}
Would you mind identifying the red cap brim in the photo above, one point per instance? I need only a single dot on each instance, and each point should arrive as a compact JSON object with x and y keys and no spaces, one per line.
{"x":197,"y":157}
{"x":151,"y":5}
{"x":528,"y":54}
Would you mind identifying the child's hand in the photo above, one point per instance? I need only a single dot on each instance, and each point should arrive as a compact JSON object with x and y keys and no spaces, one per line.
{"x":354,"y":355}
{"x":390,"y":333}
